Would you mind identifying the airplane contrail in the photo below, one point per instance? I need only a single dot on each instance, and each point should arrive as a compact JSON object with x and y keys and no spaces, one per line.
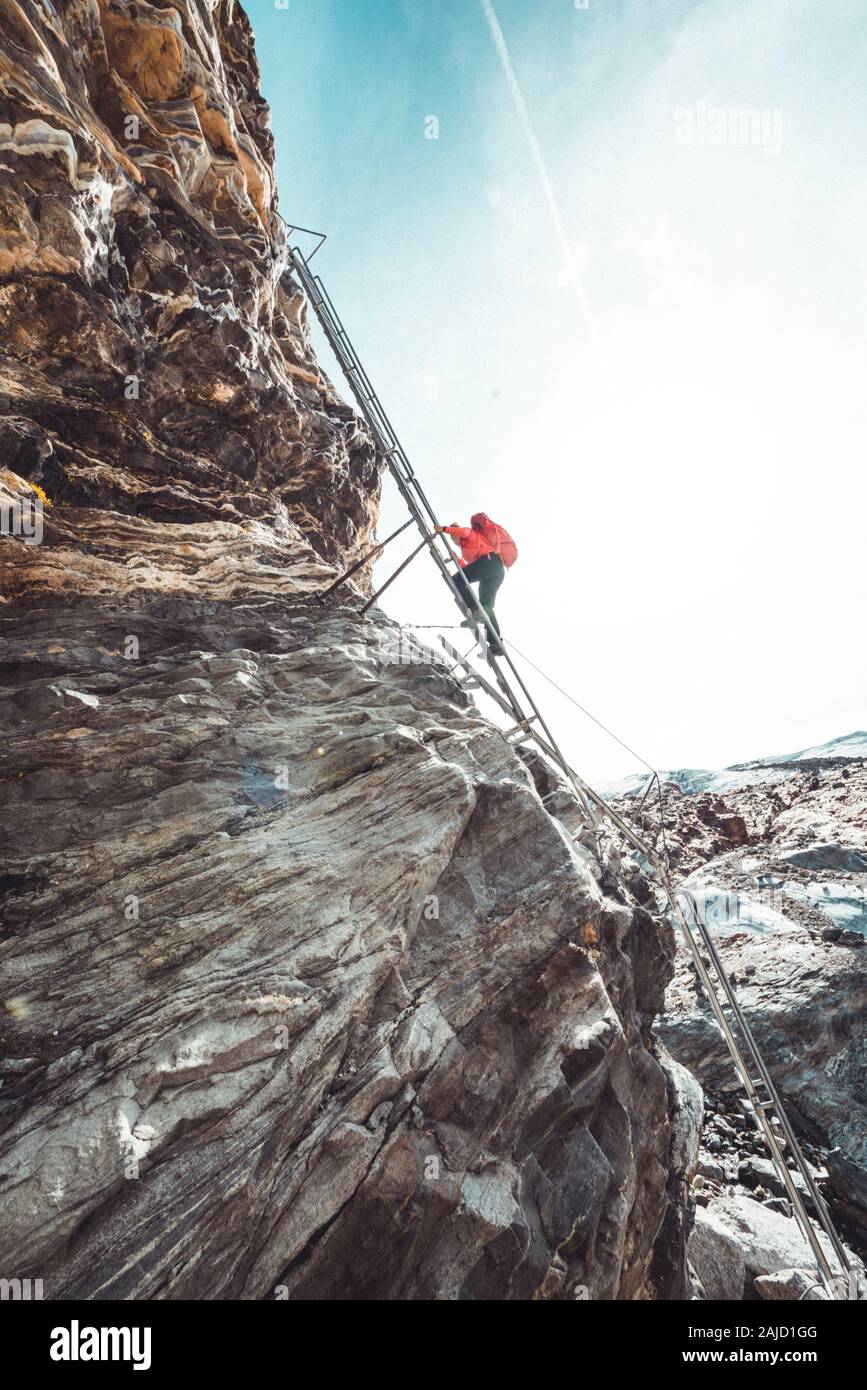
{"x":548,"y":190}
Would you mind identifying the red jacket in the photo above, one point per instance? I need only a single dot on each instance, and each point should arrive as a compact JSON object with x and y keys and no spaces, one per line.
{"x":482,"y":537}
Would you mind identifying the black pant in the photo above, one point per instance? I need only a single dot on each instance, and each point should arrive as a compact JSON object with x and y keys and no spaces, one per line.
{"x":488,"y":572}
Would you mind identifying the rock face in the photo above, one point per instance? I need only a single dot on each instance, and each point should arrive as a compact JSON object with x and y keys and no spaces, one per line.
{"x":306,"y":988}
{"x":306,"y":994}
{"x":156,"y":355}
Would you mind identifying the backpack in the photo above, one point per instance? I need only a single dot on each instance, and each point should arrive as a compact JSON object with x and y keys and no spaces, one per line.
{"x":505,"y":546}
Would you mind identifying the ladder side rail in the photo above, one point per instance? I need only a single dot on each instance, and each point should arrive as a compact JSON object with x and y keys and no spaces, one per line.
{"x":551,"y":750}
{"x":344,"y":350}
{"x":578,"y":785}
{"x":359,"y":370}
{"x":728,"y":988}
{"x":511,"y":708}
{"x":771,"y":1138}
{"x":823,"y":1213}
{"x":373,"y":412}
{"x":768,"y":1082}
{"x":549,"y":746}
{"x":508,"y":706}
{"x":370,"y":405}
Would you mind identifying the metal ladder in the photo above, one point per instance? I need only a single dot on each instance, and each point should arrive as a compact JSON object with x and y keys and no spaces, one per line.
{"x":516,"y":702}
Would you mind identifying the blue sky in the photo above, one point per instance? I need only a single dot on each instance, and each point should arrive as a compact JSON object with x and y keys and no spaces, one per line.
{"x":651,"y":373}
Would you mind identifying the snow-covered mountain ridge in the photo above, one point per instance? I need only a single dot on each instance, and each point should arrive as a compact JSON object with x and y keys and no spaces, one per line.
{"x":837,"y":752}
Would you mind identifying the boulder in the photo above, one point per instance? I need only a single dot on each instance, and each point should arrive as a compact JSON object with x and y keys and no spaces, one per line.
{"x":716,"y":1255}
{"x":794,"y":1285}
{"x":768,"y":1241}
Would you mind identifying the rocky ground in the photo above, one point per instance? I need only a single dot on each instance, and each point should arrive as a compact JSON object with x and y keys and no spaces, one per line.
{"x":779,"y":871}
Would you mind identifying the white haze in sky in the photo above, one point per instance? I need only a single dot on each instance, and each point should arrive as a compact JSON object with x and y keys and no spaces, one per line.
{"x":668,"y":411}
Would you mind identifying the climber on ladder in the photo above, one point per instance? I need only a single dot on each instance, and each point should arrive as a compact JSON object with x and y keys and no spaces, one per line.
{"x":487,"y":551}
